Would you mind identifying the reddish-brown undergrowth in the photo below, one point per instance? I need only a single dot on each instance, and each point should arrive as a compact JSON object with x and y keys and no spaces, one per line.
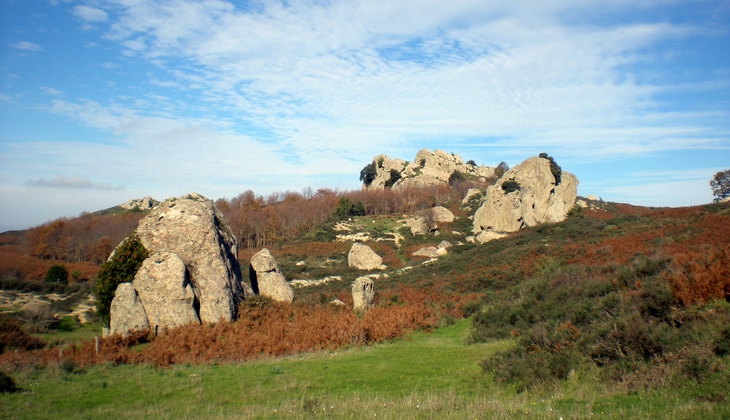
{"x":15,"y":263}
{"x":273,"y":330}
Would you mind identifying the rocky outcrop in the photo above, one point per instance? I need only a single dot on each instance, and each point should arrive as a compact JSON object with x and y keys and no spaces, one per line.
{"x":427,"y":252}
{"x":191,"y":275}
{"x":140,"y":204}
{"x":537,"y":197}
{"x":267,"y":280}
{"x":193,"y":229}
{"x":427,"y":169}
{"x":362,"y":257}
{"x":363,"y":293}
{"x":425,"y":221}
{"x":440,"y":214}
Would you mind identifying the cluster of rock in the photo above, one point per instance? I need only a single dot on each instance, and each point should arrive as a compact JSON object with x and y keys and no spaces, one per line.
{"x":539,"y":197}
{"x":427,"y":221}
{"x":266,"y":278}
{"x":144,"y":204}
{"x":434,"y":251}
{"x":191,"y":275}
{"x":428,"y":168}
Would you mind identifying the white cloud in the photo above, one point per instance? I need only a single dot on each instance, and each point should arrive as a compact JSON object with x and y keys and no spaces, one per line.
{"x":27,"y":46}
{"x":50,"y":91}
{"x":77,"y":182}
{"x":89,"y":14}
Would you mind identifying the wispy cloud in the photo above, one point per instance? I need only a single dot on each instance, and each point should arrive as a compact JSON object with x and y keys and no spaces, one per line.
{"x":50,"y":91}
{"x":27,"y":46}
{"x":89,"y":14}
{"x":77,"y":182}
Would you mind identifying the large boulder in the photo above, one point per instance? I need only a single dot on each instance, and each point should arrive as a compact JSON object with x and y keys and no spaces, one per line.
{"x":126,"y":311}
{"x":165,"y":292}
{"x":441,"y":214}
{"x":362,"y":257}
{"x":363,"y":293}
{"x":193,"y":229}
{"x":539,"y":199}
{"x":267,"y":280}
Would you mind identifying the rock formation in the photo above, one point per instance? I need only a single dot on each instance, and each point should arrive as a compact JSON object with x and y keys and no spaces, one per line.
{"x":362,"y":257}
{"x":425,"y":221}
{"x":538,"y":197}
{"x":140,"y":204}
{"x":363,"y":293}
{"x":428,"y":168}
{"x":191,"y":275}
{"x":267,"y":280}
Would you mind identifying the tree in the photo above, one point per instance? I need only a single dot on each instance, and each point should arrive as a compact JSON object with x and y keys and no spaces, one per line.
{"x":56,"y":274}
{"x":501,"y":169}
{"x":368,"y":174}
{"x":720,"y":185}
{"x":120,"y":268}
{"x":345,"y":208}
{"x":456,"y":177}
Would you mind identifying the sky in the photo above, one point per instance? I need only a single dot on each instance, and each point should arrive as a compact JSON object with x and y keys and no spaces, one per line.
{"x":102,"y":101}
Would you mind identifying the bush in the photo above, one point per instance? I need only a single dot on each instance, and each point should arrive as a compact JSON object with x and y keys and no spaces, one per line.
{"x":456,"y":177}
{"x":511,"y":186}
{"x":7,"y":384}
{"x":471,"y":162}
{"x":394,"y":177}
{"x":121,"y":268}
{"x":368,"y":174}
{"x":501,"y":169}
{"x":56,"y":274}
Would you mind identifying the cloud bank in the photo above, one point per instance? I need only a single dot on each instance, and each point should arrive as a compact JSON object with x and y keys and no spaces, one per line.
{"x":76,"y":182}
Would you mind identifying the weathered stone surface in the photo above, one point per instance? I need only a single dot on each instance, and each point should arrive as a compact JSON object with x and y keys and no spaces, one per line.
{"x":363,"y":293}
{"x":427,"y":252}
{"x":362,"y":257}
{"x":127,"y":313}
{"x":267,"y":280}
{"x":262,"y":261}
{"x":165,"y":292}
{"x":472,"y":193}
{"x":193,"y":229}
{"x":273,"y":285}
{"x":440,"y":252}
{"x":419,"y":225}
{"x":441,"y":214}
{"x":445,"y":244}
{"x":538,"y":201}
{"x":139,"y":204}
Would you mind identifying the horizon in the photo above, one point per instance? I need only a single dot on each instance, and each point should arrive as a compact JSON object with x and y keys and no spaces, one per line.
{"x":103,"y":101}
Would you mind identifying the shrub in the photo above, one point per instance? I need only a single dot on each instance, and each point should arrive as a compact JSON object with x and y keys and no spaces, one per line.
{"x":394,"y":177}
{"x":7,"y":384}
{"x":345,"y":208}
{"x":511,"y":186}
{"x":56,"y":274}
{"x":456,"y":177}
{"x":120,"y":268}
{"x":722,"y":343}
{"x":471,"y":162}
{"x":67,"y":366}
{"x":577,"y":211}
{"x":368,"y":174}
{"x":12,"y":336}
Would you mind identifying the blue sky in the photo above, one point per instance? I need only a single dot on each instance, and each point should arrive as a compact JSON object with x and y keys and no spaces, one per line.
{"x":106,"y":100}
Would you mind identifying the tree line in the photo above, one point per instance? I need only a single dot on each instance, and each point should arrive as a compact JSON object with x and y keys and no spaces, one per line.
{"x":256,"y":220}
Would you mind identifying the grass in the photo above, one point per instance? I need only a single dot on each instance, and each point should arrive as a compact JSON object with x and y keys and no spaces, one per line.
{"x":423,"y":376}
{"x":80,"y":332}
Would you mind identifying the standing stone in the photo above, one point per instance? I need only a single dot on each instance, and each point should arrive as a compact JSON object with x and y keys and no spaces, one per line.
{"x":194,"y":229}
{"x":267,"y":280}
{"x":273,"y":285}
{"x":165,"y":292}
{"x":363,"y":293}
{"x":362,"y":257}
{"x":126,"y":311}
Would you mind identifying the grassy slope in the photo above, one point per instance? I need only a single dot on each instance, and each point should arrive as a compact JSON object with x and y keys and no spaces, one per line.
{"x":426,"y":376}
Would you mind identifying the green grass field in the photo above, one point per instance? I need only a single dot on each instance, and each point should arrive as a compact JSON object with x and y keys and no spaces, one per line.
{"x":426,"y":375}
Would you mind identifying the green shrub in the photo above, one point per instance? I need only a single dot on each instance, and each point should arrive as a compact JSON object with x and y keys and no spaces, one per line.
{"x":456,"y":177}
{"x":56,"y":274}
{"x":67,"y":366}
{"x":511,"y":186}
{"x":394,"y":177}
{"x":470,"y":308}
{"x":7,"y":384}
{"x":471,"y":162}
{"x":368,"y":174}
{"x":576,"y":211}
{"x":67,"y":323}
{"x":345,"y":208}
{"x":120,"y":268}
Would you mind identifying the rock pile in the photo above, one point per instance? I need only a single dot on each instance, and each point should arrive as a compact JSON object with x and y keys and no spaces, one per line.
{"x":527,"y":195}
{"x":267,"y":280}
{"x":191,"y":274}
